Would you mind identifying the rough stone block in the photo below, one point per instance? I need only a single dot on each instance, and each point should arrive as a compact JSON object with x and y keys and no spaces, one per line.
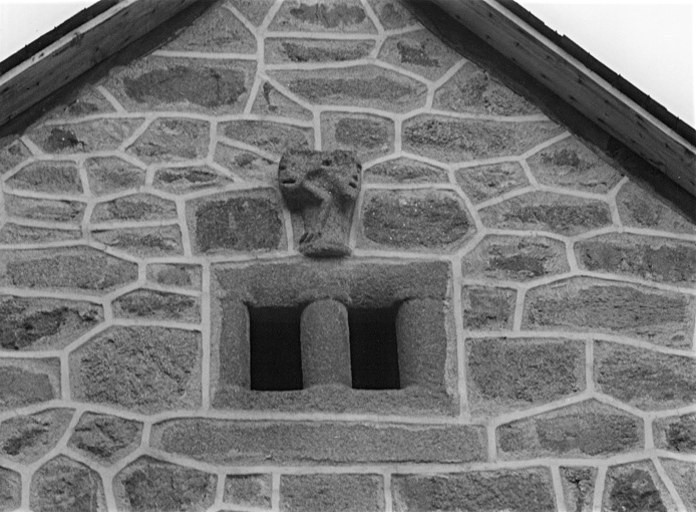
{"x":253,"y":10}
{"x":655,"y":259}
{"x":518,"y":490}
{"x":50,"y":177}
{"x":474,"y":91}
{"x":545,"y":211}
{"x":10,"y":490}
{"x":515,"y":258}
{"x":248,"y":490}
{"x":392,"y":14}
{"x":343,"y":492}
{"x":421,"y":220}
{"x":571,"y":164}
{"x":643,"y":208}
{"x":592,"y":305}
{"x":286,"y":442}
{"x":25,"y":439}
{"x":64,"y":485}
{"x":677,"y":433}
{"x":338,"y":16}
{"x":107,"y":175}
{"x":146,"y":369}
{"x":150,"y":485}
{"x":158,"y":305}
{"x":636,"y":487}
{"x":84,"y":137}
{"x":270,"y":102}
{"x":484,"y":182}
{"x":643,"y":378}
{"x":30,"y":323}
{"x":247,"y":166}
{"x":81,"y":268}
{"x":134,"y":207}
{"x":28,"y":381}
{"x":104,"y":437}
{"x":44,"y":209}
{"x":487,"y":308}
{"x":460,"y":140}
{"x":683,"y":475}
{"x":365,"y":86}
{"x":404,"y":170}
{"x":421,"y":52}
{"x":507,"y":374}
{"x":175,"y":275}
{"x":588,"y":429}
{"x":12,"y":154}
{"x":578,"y":484}
{"x":280,"y":50}
{"x":16,"y":234}
{"x":269,"y":136}
{"x":172,"y":140}
{"x":151,"y":241}
{"x":184,"y":180}
{"x":233,"y":222}
{"x":370,"y":136}
{"x":83,"y":102}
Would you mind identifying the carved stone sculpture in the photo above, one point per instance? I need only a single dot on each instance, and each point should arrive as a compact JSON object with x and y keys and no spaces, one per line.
{"x":322,"y":186}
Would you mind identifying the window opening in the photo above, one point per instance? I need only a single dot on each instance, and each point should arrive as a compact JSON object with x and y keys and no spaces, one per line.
{"x":373,"y":348}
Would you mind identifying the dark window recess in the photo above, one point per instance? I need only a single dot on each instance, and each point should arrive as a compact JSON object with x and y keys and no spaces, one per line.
{"x":274,"y":336}
{"x":374,"y":359}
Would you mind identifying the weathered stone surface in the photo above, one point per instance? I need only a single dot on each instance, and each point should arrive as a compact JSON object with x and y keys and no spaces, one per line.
{"x":172,"y":140}
{"x":634,"y":487}
{"x":183,"y":180}
{"x":578,"y":487}
{"x":84,"y":137}
{"x":519,"y":490}
{"x":472,"y":90}
{"x":460,"y":140}
{"x":80,"y":268}
{"x":643,"y":208}
{"x":655,"y":259}
{"x":28,"y":381}
{"x":315,"y":50}
{"x":270,"y":102}
{"x":105,"y":438}
{"x":247,"y":166}
{"x":591,"y":305}
{"x":405,"y":170}
{"x":39,"y":324}
{"x":271,"y":137}
{"x":11,"y":233}
{"x":10,"y":490}
{"x":248,"y":221}
{"x":421,"y":52}
{"x":507,"y":374}
{"x":343,"y":492}
{"x":643,"y":378}
{"x":12,"y":155}
{"x":588,"y":429}
{"x":173,"y":274}
{"x":44,"y":209}
{"x":487,"y":181}
{"x":88,"y":101}
{"x":248,"y":490}
{"x":64,"y":485}
{"x":134,"y":207}
{"x":565,"y":215}
{"x":51,"y":177}
{"x":571,"y":164}
{"x":683,"y":475}
{"x":370,"y":136}
{"x":216,"y":30}
{"x":25,"y":439}
{"x":359,"y":86}
{"x":107,"y":175}
{"x":338,"y":16}
{"x":178,"y":84}
{"x":515,"y":258}
{"x":150,"y":485}
{"x":278,"y":442}
{"x":253,"y":10}
{"x":146,"y":369}
{"x":487,"y":308}
{"x":157,"y":305}
{"x":392,"y":14}
{"x":677,"y":433}
{"x":426,"y":219}
{"x":154,"y":241}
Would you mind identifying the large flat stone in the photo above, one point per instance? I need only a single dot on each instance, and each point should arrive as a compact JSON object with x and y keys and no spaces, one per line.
{"x":404,"y":170}
{"x":483,"y":182}
{"x":249,"y":490}
{"x":635,"y":486}
{"x":85,"y":136}
{"x":134,"y":207}
{"x":184,"y":180}
{"x":150,"y":241}
{"x":337,"y":16}
{"x":12,"y":154}
{"x":28,"y":381}
{"x":10,"y":490}
{"x":107,"y":175}
{"x":315,"y":50}
{"x":104,"y":437}
{"x":676,"y":433}
{"x":172,"y":140}
{"x":487,"y":308}
{"x":683,"y":475}
{"x":25,"y":439}
{"x":47,"y":176}
{"x":392,"y":14}
{"x":154,"y":304}
{"x":16,"y":234}
{"x":175,"y":275}
{"x":370,"y":136}
{"x":247,"y":166}
{"x":269,"y":136}
{"x":64,"y":485}
{"x":421,"y":52}
{"x":337,"y":492}
{"x":46,"y":210}
{"x":641,"y":207}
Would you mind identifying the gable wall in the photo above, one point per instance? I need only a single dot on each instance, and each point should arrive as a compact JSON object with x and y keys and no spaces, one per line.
{"x":564,"y":371}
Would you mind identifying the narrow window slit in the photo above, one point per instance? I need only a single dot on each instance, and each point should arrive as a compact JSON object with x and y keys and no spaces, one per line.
{"x":373,"y":348}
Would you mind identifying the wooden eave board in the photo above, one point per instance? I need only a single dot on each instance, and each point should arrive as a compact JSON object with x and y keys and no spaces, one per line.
{"x":579,"y":86}
{"x":80,"y":50}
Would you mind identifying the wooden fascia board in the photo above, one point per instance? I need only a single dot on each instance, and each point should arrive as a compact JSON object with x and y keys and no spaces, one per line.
{"x":80,"y":50}
{"x":579,"y":86}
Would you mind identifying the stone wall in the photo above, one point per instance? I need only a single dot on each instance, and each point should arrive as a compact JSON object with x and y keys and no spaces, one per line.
{"x":558,"y":368}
